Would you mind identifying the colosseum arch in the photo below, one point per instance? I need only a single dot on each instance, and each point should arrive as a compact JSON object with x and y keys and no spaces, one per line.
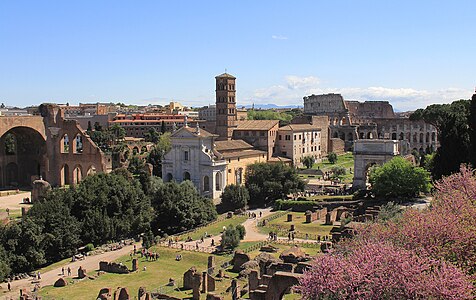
{"x":22,"y":156}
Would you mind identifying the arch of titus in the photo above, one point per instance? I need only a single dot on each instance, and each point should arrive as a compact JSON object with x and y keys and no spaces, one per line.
{"x":371,"y":152}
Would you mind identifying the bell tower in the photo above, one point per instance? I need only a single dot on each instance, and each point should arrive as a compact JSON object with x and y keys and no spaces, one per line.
{"x":225,"y":106}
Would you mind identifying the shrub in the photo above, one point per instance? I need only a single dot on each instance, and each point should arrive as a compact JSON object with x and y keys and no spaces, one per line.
{"x":89,"y":247}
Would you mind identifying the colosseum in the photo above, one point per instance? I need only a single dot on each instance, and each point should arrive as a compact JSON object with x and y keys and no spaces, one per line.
{"x":354,"y":120}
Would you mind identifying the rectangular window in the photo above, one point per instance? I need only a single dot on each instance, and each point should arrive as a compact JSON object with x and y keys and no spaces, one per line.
{"x":280,"y":137}
{"x":185,"y":157}
{"x":295,"y":137}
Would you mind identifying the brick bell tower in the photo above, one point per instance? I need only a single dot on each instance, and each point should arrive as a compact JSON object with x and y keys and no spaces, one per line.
{"x":225,"y":106}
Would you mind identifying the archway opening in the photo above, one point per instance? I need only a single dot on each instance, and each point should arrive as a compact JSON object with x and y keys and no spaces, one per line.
{"x":218,"y":181}
{"x":22,"y":158}
{"x":65,"y":175}
{"x":206,"y":184}
{"x":186,"y":176}
{"x":169,"y":177}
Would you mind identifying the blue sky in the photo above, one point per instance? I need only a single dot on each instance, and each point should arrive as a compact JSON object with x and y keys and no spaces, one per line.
{"x":411,"y":53}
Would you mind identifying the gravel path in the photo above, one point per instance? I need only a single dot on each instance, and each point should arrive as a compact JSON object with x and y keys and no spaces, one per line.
{"x":14,"y":201}
{"x":90,"y":263}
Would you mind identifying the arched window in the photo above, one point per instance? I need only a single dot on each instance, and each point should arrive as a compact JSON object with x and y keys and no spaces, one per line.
{"x":65,"y":175}
{"x":218,"y":181}
{"x":401,"y":136}
{"x":239,"y":176}
{"x":415,"y":138}
{"x":78,"y":144}
{"x":91,"y":170}
{"x":370,"y":135}
{"x":361,"y":135}
{"x":65,"y":144}
{"x":433,"y":136}
{"x":421,"y":137}
{"x":206,"y":184}
{"x":186,"y":176}
{"x":427,"y":137}
{"x":77,"y":174}
{"x":169,"y":177}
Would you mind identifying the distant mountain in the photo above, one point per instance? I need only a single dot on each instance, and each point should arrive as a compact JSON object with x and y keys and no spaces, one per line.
{"x":270,"y":106}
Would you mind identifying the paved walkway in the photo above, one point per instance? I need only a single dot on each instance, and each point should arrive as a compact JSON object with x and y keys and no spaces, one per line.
{"x":14,"y":202}
{"x":90,"y":263}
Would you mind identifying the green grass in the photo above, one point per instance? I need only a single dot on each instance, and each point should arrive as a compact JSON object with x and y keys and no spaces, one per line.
{"x":345,"y":160}
{"x":215,"y":228}
{"x":157,"y":275}
{"x":55,"y":265}
{"x":15,"y":213}
{"x":281,"y":247}
{"x":301,"y":228}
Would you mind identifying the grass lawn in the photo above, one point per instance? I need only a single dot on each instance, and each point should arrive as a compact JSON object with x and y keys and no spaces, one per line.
{"x":214,"y":229}
{"x":156,"y":276}
{"x":282,"y":226}
{"x":345,"y":160}
{"x":281,"y":247}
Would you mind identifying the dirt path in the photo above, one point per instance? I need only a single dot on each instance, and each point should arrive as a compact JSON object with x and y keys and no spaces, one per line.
{"x":90,"y":263}
{"x":252,"y":232}
{"x":14,"y":202}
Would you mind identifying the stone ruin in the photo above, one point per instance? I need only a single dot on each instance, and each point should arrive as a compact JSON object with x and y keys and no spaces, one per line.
{"x":40,"y":188}
{"x":61,"y":282}
{"x":294,"y":255}
{"x":119,"y":294}
{"x":112,"y":267}
{"x":239,"y":258}
{"x":188,"y":278}
{"x":199,"y":283}
{"x":81,"y":273}
{"x":142,"y":294}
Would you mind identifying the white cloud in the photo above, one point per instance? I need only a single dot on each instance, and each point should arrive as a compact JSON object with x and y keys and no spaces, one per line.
{"x":294,"y":88}
{"x":279,"y":37}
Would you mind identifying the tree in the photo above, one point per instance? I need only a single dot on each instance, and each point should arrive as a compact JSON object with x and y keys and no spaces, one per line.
{"x":109,"y":207}
{"x":230,"y":238}
{"x":472,"y":127}
{"x":308,"y":161}
{"x":269,"y":182}
{"x":117,"y":132}
{"x":378,"y":270}
{"x":338,"y":172}
{"x":180,"y":207}
{"x":451,"y":121}
{"x":332,"y":157}
{"x":156,"y":155}
{"x":399,"y":178}
{"x":4,"y":264}
{"x":152,"y":136}
{"x":10,"y":144}
{"x":235,"y":197}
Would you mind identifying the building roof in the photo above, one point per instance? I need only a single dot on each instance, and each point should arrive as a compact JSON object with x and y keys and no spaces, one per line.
{"x":279,"y":159}
{"x":193,"y":131}
{"x":232,"y":145}
{"x":246,"y":153}
{"x":226,"y":75}
{"x":256,"y":124}
{"x":299,"y":127}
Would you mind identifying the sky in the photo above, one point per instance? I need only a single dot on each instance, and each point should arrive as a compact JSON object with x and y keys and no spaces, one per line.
{"x":411,"y":53}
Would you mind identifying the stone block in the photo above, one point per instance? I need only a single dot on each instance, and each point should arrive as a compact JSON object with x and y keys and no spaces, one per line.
{"x":60,"y":282}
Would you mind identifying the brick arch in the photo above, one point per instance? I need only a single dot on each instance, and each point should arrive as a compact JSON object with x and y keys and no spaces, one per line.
{"x":33,"y":122}
{"x":280,"y":283}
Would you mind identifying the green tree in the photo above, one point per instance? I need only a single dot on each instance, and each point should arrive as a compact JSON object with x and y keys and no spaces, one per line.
{"x":109,"y":207}
{"x":117,"y":132}
{"x":10,"y":144}
{"x":269,"y":182}
{"x":451,"y":121}
{"x":4,"y":264}
{"x":180,"y":207}
{"x":230,"y":238}
{"x":472,"y":127}
{"x":338,"y":172}
{"x":399,"y":178}
{"x":332,"y":157}
{"x":308,"y":161}
{"x":152,"y":136}
{"x":235,"y":197}
{"x":156,"y":155}
{"x":61,"y":231}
